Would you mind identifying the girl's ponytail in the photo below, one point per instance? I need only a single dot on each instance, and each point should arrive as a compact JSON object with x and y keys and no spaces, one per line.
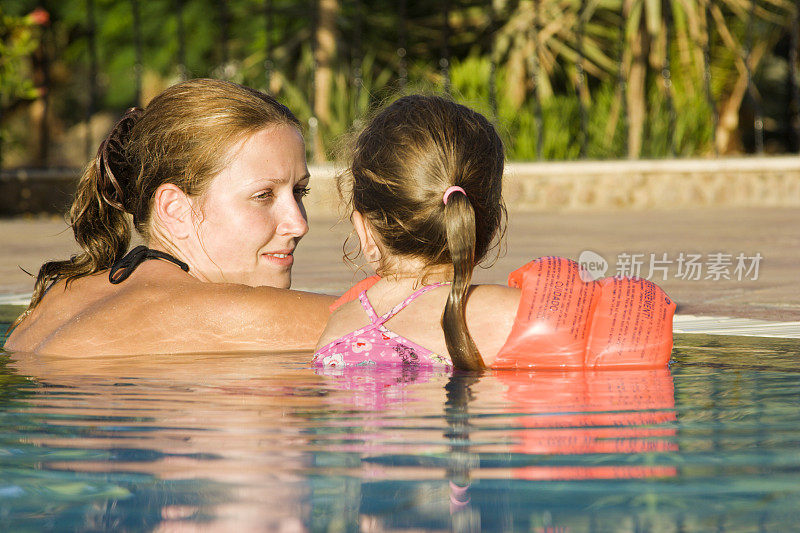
{"x":459,"y":220}
{"x":402,"y":162}
{"x":98,"y":213}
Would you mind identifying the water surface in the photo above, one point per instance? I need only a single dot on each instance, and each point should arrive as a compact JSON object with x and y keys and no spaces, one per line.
{"x":262,"y":442}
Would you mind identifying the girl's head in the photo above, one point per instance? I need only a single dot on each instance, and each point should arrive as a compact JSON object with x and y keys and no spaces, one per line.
{"x":211,"y":171}
{"x":403,"y":162}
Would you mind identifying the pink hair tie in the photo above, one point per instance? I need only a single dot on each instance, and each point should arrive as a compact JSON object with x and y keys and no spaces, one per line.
{"x":451,"y":190}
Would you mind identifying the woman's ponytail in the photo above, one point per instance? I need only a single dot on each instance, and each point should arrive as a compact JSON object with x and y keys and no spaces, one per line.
{"x":98,"y":213}
{"x":459,"y":220}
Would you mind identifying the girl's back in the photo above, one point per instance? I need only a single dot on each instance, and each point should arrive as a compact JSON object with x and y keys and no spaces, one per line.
{"x":490,"y":312}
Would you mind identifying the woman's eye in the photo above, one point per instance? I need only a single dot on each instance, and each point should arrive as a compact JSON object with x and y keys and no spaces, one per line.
{"x":302,"y":191}
{"x":266,"y":195}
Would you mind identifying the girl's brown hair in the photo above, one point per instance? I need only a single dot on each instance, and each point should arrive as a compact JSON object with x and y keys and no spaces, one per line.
{"x":403,"y":162}
{"x":182,"y":137}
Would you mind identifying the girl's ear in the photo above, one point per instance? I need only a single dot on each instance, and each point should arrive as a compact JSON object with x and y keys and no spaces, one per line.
{"x":173,"y":212}
{"x":369,"y":246}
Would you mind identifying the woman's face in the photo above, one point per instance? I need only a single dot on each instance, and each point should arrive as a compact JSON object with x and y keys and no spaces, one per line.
{"x":251,"y":217}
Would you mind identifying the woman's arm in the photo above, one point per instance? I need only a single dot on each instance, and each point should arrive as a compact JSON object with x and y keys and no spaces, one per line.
{"x":176,"y":317}
{"x":281,"y":319}
{"x":228,"y":317}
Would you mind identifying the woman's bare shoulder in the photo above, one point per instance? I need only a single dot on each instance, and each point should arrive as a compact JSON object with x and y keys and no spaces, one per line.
{"x":172,"y":315}
{"x":232,"y":317}
{"x":62,"y":305}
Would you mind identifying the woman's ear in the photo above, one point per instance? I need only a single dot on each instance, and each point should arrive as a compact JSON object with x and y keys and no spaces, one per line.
{"x":369,"y":246}
{"x":173,"y":211}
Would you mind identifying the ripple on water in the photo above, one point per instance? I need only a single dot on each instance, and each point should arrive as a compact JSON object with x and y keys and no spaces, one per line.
{"x":261,"y":441}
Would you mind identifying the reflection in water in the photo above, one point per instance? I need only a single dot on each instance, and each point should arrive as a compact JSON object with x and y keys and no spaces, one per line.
{"x":461,"y":460}
{"x":208,"y":440}
{"x":593,"y":412}
{"x":374,"y":388}
{"x":262,"y":442}
{"x":603,"y":413}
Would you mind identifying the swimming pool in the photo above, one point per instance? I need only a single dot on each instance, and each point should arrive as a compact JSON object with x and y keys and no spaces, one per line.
{"x":262,"y":442}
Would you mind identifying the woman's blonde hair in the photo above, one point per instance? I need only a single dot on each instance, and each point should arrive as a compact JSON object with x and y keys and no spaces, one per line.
{"x":182,"y":137}
{"x":402,"y":163}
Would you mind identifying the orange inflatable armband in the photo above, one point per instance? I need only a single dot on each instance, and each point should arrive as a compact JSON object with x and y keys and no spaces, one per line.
{"x":564,"y":322}
{"x":353,"y":292}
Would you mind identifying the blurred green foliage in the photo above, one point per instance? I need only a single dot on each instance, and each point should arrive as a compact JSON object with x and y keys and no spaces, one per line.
{"x":561,"y":119}
{"x":18,"y":40}
{"x":381,"y":51}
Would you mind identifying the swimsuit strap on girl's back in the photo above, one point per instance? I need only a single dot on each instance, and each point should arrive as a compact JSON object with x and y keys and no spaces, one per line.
{"x":124,"y":267}
{"x":373,"y":316}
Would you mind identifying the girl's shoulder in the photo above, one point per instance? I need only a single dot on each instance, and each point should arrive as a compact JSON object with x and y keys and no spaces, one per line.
{"x":491,"y":310}
{"x":346,"y":318}
{"x":496,"y":295}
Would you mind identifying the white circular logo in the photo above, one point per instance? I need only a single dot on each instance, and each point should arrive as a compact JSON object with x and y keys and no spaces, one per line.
{"x":592,"y":264}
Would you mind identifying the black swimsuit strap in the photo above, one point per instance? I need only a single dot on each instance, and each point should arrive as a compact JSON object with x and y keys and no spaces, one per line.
{"x":124,"y":267}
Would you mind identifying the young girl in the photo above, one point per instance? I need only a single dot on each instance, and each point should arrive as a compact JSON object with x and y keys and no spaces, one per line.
{"x":424,"y":188}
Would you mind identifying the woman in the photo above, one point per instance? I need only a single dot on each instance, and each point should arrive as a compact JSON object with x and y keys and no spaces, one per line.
{"x":212,"y":175}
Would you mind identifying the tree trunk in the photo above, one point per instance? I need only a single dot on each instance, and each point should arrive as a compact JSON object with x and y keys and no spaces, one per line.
{"x":324,"y":55}
{"x":727,"y":140}
{"x":637,"y":91}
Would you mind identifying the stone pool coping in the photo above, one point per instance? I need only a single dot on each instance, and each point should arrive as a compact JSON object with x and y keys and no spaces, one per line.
{"x":637,"y":184}
{"x":757,"y":181}
{"x":740,"y":327}
{"x":774,"y":233}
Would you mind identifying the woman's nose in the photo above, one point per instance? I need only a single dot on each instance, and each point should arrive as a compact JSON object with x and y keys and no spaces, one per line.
{"x":293,"y":221}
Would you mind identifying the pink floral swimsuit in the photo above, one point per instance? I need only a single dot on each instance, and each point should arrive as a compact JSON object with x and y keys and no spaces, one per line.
{"x":374,"y":344}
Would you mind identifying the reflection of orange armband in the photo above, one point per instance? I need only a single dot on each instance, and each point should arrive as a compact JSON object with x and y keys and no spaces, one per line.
{"x":573,"y":413}
{"x":564,"y":322}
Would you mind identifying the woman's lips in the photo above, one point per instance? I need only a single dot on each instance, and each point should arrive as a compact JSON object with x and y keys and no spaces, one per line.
{"x":280,"y":258}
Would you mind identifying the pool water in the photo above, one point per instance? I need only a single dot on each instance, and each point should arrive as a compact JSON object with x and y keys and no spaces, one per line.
{"x":263,"y":442}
